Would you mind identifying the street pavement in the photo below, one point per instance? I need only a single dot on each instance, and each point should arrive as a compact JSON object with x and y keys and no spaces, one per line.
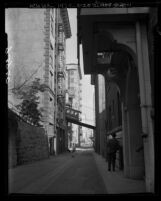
{"x":65,"y":174}
{"x":83,"y":172}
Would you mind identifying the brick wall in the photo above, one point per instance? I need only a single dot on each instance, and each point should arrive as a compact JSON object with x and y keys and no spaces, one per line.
{"x":32,"y":143}
{"x":27,"y":143}
{"x":12,"y":135}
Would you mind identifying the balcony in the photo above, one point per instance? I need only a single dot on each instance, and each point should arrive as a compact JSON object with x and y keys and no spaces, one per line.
{"x":60,"y":45}
{"x":61,"y":72}
{"x":60,"y":27}
{"x":60,"y":38}
{"x":60,"y":93}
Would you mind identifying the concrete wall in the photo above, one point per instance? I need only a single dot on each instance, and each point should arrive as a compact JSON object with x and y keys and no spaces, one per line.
{"x":97,"y":131}
{"x":25,"y":30}
{"x":102,"y":113}
{"x":12,"y":139}
{"x":123,"y":33}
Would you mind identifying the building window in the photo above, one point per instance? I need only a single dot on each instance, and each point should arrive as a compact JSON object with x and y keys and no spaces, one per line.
{"x":51,"y":73}
{"x":51,"y":79}
{"x":51,"y":60}
{"x":70,"y":99}
{"x":52,"y":28}
{"x":51,"y":46}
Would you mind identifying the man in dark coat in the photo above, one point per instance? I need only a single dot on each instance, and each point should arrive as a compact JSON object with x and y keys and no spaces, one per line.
{"x":112,"y":147}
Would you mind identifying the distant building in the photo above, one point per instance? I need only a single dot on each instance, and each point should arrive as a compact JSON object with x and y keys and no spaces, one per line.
{"x":74,"y":99}
{"x":63,"y":33}
{"x":36,"y":39}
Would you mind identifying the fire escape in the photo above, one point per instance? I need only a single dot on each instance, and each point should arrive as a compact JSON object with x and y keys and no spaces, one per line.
{"x":61,"y":74}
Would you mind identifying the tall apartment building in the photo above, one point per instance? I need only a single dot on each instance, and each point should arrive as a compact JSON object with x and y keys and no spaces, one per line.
{"x":74,"y":99}
{"x":36,"y":44}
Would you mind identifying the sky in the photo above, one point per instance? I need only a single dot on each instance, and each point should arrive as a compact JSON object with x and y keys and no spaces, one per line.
{"x":71,"y":57}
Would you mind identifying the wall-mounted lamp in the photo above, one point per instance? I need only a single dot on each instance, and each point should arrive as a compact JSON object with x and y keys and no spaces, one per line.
{"x":104,"y":57}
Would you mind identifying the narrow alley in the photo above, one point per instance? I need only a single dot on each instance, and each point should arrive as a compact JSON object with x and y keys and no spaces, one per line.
{"x":81,"y":110}
{"x":83,"y":172}
{"x":68,"y":174}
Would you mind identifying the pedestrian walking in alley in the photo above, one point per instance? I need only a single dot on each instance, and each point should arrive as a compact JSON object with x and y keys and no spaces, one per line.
{"x":112,"y":147}
{"x":73,"y":150}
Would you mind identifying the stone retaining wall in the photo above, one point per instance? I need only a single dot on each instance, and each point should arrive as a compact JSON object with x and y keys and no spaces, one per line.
{"x":27,"y":143}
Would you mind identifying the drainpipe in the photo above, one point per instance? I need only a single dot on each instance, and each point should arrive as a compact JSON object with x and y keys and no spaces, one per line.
{"x":141,"y":80}
{"x":145,"y":100}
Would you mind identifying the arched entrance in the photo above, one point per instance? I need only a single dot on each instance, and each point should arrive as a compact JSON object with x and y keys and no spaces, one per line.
{"x":124,"y":73}
{"x":132,"y":126}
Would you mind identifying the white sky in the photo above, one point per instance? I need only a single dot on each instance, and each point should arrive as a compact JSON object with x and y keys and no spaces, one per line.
{"x":71,"y":57}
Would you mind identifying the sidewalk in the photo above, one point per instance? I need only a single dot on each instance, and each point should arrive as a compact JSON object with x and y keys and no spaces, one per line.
{"x":115,"y":182}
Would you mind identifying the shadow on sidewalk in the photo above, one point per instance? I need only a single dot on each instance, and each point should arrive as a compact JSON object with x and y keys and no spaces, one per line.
{"x":115,"y":182}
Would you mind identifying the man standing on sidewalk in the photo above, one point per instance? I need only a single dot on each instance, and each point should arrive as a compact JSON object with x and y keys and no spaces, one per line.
{"x":112,"y":147}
